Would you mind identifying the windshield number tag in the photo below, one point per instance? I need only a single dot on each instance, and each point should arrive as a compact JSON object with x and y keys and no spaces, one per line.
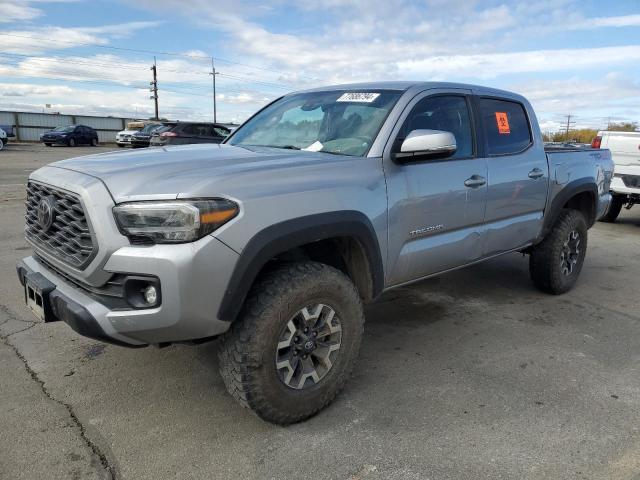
{"x":358,"y":97}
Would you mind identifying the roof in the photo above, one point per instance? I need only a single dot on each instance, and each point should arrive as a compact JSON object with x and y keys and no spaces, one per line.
{"x":406,"y":85}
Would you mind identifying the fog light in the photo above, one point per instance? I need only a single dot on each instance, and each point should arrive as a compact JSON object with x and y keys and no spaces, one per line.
{"x":150,"y":295}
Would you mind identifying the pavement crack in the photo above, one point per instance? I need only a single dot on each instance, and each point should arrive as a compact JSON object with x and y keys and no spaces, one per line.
{"x":4,"y":337}
{"x":11,"y":316}
{"x":95,"y":449}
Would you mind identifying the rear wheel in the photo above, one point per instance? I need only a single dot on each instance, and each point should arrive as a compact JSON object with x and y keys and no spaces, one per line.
{"x":1,"y":144}
{"x":94,"y":142}
{"x":294,"y":346}
{"x":48,"y":144}
{"x":617,"y":202}
{"x":556,"y":262}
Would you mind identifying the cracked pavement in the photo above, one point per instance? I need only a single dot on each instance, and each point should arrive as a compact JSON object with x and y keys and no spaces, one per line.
{"x":471,"y":375}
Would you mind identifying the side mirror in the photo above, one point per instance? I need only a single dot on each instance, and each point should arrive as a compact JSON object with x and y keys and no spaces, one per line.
{"x":426,"y":144}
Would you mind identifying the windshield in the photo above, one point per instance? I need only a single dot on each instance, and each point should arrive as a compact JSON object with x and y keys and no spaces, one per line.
{"x":150,"y":127}
{"x":343,"y":122}
{"x":70,"y":128}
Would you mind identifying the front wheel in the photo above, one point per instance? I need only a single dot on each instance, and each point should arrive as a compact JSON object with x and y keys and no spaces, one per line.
{"x":556,"y":262}
{"x":294,"y":345}
{"x":1,"y":144}
{"x":72,"y":142}
{"x":617,"y":202}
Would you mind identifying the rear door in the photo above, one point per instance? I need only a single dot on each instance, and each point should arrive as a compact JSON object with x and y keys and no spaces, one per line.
{"x":79,"y":135}
{"x":436,"y":207}
{"x":518,"y":174}
{"x":188,"y":133}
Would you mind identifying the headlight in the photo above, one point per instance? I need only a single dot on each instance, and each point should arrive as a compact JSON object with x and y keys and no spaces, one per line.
{"x":176,"y":221}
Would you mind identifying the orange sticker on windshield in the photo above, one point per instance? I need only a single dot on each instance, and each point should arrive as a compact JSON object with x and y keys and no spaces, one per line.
{"x":503,"y":123}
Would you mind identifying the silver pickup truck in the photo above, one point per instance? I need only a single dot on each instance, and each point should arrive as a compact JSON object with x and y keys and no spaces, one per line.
{"x":321,"y":201}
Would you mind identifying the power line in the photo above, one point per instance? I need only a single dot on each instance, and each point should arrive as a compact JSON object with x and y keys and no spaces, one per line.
{"x":155,"y":52}
{"x":52,"y":60}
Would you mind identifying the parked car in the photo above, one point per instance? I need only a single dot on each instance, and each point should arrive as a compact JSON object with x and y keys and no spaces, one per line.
{"x":123,"y":137}
{"x":8,"y":129}
{"x":182,"y":133}
{"x":321,"y":201}
{"x":142,"y":137}
{"x":71,"y":135}
{"x":625,"y":186}
{"x":3,"y":138}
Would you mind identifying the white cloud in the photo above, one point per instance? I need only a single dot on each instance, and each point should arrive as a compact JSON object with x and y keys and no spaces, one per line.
{"x":595,"y":100}
{"x":492,"y":65}
{"x":26,"y":89}
{"x":620,"y":21}
{"x":40,"y":39}
{"x":16,"y":11}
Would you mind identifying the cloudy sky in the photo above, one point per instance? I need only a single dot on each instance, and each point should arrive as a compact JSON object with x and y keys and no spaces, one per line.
{"x":567,"y":56}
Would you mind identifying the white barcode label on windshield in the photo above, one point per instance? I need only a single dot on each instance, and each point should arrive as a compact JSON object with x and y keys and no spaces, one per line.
{"x":360,"y":97}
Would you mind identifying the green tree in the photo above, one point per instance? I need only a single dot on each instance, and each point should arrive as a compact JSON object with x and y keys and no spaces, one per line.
{"x":623,"y":127}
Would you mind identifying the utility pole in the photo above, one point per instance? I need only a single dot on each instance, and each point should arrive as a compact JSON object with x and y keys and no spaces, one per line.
{"x":154,"y":87}
{"x":569,"y":124}
{"x":213,"y":74}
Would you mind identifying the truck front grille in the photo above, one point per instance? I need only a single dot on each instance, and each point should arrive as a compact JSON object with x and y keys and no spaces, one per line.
{"x":56,"y":223}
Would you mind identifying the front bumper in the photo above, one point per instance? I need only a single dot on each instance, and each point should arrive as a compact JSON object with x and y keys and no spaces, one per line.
{"x":61,"y":307}
{"x":193,"y":279}
{"x":140,"y":142}
{"x":56,"y":140}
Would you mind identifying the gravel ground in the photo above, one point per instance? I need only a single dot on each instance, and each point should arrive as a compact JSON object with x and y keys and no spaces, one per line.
{"x":470,"y":375}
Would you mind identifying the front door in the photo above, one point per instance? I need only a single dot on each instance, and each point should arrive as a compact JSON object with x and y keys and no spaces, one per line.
{"x":436,"y":207}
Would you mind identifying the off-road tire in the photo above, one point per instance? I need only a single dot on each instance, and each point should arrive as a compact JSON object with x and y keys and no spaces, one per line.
{"x":248,"y":349}
{"x":545,"y":259}
{"x":614,"y":209}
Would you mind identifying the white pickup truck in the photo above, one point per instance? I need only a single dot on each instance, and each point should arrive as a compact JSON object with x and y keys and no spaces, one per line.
{"x":625,"y":185}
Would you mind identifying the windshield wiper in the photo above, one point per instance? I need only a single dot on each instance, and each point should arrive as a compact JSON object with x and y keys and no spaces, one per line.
{"x":288,"y":147}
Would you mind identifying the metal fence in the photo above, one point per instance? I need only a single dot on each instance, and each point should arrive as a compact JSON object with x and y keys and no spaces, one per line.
{"x":28,"y":126}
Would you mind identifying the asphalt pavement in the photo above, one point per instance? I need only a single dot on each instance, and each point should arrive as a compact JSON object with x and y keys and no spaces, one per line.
{"x":471,"y":375}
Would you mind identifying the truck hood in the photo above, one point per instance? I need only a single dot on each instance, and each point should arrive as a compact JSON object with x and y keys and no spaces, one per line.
{"x":196,"y":170}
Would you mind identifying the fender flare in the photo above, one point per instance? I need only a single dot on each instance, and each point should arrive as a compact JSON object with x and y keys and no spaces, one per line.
{"x":569,"y":191}
{"x":281,"y":237}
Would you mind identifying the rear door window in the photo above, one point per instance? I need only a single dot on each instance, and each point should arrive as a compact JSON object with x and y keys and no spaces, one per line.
{"x":505,"y":125}
{"x":191,"y":130}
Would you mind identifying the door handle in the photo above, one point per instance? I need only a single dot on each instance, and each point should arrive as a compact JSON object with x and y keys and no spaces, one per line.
{"x":475,"y":181}
{"x":536,"y":173}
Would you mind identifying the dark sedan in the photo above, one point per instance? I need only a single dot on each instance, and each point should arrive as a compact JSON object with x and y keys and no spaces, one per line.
{"x":71,"y":135}
{"x":189,"y":132}
{"x":142,"y":137}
